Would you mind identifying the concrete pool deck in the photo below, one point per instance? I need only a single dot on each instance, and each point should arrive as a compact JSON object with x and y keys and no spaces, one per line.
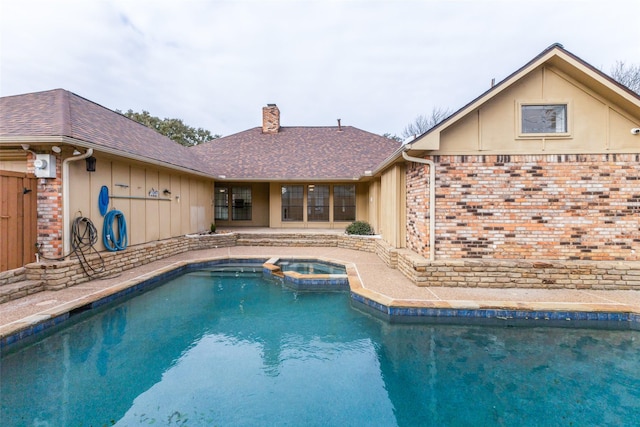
{"x":374,"y":281}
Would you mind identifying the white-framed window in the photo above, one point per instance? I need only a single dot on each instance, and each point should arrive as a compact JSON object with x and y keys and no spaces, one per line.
{"x":543,"y":119}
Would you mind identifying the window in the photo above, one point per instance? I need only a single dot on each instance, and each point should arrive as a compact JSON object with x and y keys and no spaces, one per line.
{"x":550,"y":118}
{"x":292,"y":202}
{"x":344,"y":202}
{"x":318,"y":203}
{"x":221,"y":204}
{"x":241,"y":198}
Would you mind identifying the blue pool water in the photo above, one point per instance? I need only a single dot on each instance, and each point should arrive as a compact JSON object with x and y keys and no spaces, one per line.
{"x":207,"y":349}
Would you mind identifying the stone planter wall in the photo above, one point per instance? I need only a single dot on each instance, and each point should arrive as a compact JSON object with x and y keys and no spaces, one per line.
{"x":452,"y":273}
{"x":54,"y":275}
{"x":359,"y":243}
{"x":603,"y":275}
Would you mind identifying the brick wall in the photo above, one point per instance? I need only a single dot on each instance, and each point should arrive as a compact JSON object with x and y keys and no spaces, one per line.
{"x":603,"y":275}
{"x":49,"y":224}
{"x":542,"y":207}
{"x":61,"y":274}
{"x":452,"y":272}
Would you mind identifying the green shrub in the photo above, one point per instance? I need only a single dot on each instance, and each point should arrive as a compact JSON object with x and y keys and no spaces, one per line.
{"x":360,"y":228}
{"x":213,"y":228}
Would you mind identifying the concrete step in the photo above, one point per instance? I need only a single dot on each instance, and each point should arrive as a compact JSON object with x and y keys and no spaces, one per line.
{"x":20,"y":289}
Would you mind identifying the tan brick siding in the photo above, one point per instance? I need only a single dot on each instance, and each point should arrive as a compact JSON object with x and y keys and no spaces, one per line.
{"x":552,"y":207}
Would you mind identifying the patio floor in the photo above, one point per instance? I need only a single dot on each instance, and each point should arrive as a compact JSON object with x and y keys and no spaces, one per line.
{"x":379,"y":283}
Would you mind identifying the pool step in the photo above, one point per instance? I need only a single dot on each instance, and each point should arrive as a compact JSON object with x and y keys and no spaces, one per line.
{"x":12,"y":291}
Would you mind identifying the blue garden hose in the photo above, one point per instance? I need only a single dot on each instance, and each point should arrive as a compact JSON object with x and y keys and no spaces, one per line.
{"x":111,"y":241}
{"x":103,"y":200}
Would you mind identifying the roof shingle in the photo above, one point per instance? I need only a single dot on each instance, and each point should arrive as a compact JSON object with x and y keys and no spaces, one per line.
{"x":293,"y":153}
{"x":61,"y":113}
{"x":297,"y":153}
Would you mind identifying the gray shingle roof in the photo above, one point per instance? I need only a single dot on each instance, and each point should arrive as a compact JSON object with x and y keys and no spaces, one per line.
{"x":294,"y":153}
{"x":61,"y":113}
{"x":297,"y":153}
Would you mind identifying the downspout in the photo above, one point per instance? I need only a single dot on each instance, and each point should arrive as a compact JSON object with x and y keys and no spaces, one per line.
{"x":432,"y":201}
{"x":66,"y":234}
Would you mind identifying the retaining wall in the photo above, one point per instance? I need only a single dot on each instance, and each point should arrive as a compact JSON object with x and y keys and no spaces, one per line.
{"x":70,"y":272}
{"x":452,"y":273}
{"x":520,"y":274}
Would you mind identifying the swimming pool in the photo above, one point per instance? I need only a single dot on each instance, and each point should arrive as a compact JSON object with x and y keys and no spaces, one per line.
{"x":211,"y":348}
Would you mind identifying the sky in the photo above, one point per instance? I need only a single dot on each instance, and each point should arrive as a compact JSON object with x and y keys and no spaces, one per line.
{"x":375,"y":65}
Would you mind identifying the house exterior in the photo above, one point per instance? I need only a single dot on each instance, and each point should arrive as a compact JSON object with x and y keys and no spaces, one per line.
{"x":543,"y":166}
{"x":269,"y":176}
{"x":158,"y":185}
{"x":295,"y":177}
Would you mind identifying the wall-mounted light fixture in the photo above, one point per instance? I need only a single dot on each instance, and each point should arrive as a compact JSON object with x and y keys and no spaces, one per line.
{"x":166,"y":192}
{"x":26,"y":147}
{"x":91,"y":164}
{"x":56,"y":149}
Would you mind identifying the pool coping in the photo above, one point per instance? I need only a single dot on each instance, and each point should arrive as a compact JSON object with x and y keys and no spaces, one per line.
{"x":391,"y":308}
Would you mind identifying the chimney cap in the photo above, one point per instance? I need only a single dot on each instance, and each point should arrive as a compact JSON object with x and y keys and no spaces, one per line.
{"x":271,"y":105}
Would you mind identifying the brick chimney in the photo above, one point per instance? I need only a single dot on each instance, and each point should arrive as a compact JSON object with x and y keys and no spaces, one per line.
{"x":270,"y":119}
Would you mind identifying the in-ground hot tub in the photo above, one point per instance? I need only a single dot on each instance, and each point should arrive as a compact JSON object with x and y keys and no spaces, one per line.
{"x":308,"y":274}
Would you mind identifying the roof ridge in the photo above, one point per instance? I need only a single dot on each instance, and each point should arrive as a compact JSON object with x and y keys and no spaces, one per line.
{"x":64,"y":111}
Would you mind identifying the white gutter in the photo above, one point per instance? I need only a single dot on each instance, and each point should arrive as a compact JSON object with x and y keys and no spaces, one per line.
{"x":432,"y":201}
{"x":66,"y":239}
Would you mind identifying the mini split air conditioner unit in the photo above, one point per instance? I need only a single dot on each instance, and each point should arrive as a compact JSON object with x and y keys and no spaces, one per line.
{"x":45,"y":166}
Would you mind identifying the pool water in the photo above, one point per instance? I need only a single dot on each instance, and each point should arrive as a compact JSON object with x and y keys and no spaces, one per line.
{"x":206,"y":350}
{"x":311,"y":267}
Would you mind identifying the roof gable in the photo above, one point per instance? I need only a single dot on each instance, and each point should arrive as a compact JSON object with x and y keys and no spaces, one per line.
{"x":554,"y":56}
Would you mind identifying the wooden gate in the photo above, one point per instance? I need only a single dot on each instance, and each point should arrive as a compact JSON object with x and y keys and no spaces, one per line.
{"x":18,"y":219}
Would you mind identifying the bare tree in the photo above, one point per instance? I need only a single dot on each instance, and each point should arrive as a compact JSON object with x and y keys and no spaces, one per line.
{"x":422,"y":123}
{"x":628,"y":75}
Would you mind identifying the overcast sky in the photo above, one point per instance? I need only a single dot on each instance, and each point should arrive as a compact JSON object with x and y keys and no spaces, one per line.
{"x":374,"y":64}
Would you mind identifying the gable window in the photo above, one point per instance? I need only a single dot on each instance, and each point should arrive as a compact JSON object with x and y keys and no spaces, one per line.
{"x":544,"y":118}
{"x":344,"y":202}
{"x":317,"y":202}
{"x":292,"y":202}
